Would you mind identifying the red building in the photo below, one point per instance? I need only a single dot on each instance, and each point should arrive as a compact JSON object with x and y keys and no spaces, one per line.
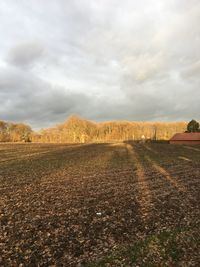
{"x":186,"y":139}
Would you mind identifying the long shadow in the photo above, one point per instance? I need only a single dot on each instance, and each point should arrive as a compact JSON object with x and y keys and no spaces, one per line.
{"x":113,"y":215}
{"x":95,"y":206}
{"x":178,"y":163}
{"x":26,"y":170}
{"x":142,"y":185}
{"x":167,"y":211}
{"x":166,"y":175}
{"x":115,"y":195}
{"x":91,"y":214}
{"x":174,"y":200}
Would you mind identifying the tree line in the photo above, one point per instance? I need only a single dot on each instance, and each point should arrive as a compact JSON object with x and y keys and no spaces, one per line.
{"x":78,"y":130}
{"x":14,"y":132}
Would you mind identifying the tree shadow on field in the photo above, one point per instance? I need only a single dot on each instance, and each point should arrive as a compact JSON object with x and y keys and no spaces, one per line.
{"x":116,"y":198}
{"x":65,"y":223}
{"x":25,"y":170}
{"x":162,"y":237}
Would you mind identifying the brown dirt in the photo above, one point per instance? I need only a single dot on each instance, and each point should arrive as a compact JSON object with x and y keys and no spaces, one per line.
{"x":117,"y":204}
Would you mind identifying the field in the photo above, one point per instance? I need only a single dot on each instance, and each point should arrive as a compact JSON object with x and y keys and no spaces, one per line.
{"x":120,"y":204}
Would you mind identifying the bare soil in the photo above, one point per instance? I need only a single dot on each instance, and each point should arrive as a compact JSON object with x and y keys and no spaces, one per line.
{"x":122,"y":204}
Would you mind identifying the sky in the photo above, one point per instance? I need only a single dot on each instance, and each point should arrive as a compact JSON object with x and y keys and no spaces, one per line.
{"x":103,"y":60}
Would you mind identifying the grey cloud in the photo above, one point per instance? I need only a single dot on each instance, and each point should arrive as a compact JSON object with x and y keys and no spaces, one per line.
{"x":43,"y":105}
{"x":36,"y":101}
{"x":25,"y":54}
{"x":103,"y":60}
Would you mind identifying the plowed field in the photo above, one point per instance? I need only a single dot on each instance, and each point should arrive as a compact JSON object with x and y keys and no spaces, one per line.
{"x":121,"y":204}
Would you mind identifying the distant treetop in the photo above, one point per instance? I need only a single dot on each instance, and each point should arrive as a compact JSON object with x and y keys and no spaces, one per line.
{"x":193,"y":126}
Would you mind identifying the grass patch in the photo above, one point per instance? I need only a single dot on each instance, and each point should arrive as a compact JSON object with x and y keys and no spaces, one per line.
{"x":163,"y":249}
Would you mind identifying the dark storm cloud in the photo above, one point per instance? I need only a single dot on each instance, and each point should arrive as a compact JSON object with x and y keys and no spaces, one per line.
{"x":103,"y":60}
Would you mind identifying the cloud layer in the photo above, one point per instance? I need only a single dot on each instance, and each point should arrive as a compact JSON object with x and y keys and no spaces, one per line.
{"x":103,"y":60}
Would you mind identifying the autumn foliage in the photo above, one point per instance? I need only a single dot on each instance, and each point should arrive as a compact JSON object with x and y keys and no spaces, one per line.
{"x":14,"y":132}
{"x":78,"y":130}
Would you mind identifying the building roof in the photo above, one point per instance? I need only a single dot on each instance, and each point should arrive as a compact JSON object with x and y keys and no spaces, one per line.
{"x":186,"y":137}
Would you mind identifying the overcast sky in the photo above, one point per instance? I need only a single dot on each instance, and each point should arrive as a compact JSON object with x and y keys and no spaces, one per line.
{"x":101,"y":59}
